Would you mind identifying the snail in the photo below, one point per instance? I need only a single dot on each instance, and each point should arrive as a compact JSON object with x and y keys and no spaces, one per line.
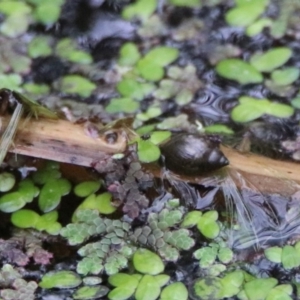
{"x":192,"y":154}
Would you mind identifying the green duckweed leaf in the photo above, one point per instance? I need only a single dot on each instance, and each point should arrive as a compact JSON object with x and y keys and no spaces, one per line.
{"x":231,"y":284}
{"x":126,"y":105}
{"x":270,"y":60}
{"x":148,"y":289}
{"x":15,"y":25}
{"x":290,"y":257}
{"x":249,"y":109}
{"x":157,"y":137}
{"x":258,"y":289}
{"x":147,"y":151}
{"x":191,"y":219}
{"x":10,"y":81}
{"x":274,"y":254}
{"x":149,"y":70}
{"x":75,"y":84}
{"x":147,"y":262}
{"x":152,"y":112}
{"x":25,"y":218}
{"x":60,"y":279}
{"x":296,"y":102}
{"x":67,"y":49}
{"x":258,"y":26}
{"x":174,"y":291}
{"x":14,"y":7}
{"x":36,"y":89}
{"x":279,"y":110}
{"x":122,"y":292}
{"x":7,"y":181}
{"x":44,"y":175}
{"x":162,"y":279}
{"x":47,"y":13}
{"x":123,"y":279}
{"x":208,"y":226}
{"x":244,"y":15}
{"x":86,"y":188}
{"x":12,"y":202}
{"x":104,"y":204}
{"x":238,"y":70}
{"x":39,"y":46}
{"x":90,"y":292}
{"x":53,"y":228}
{"x":129,"y":55}
{"x":129,"y":87}
{"x":162,"y":56}
{"x":186,"y":3}
{"x":207,"y":288}
{"x":50,"y":196}
{"x":281,"y":292}
{"x":218,"y":128}
{"x":285,"y":76}
{"x":141,"y":9}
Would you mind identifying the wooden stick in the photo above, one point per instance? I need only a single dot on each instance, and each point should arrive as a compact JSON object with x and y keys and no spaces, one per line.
{"x":64,"y":141}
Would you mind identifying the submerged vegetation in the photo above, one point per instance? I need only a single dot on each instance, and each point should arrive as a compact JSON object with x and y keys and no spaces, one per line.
{"x":180,"y":69}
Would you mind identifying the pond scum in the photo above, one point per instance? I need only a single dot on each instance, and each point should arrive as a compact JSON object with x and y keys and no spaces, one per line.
{"x":125,"y":231}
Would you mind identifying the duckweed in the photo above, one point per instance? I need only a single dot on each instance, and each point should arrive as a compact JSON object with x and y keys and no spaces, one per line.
{"x":147,"y":262}
{"x":86,"y":188}
{"x":7,"y":181}
{"x":60,"y":279}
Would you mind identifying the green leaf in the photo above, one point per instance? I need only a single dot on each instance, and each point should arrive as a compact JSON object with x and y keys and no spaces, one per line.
{"x":162,"y":56}
{"x":249,"y":109}
{"x":218,"y":128}
{"x":7,"y":181}
{"x":191,"y":219}
{"x":245,"y":15}
{"x":10,"y":81}
{"x":147,"y":151}
{"x":238,"y":70}
{"x":285,"y":76}
{"x":231,"y":284}
{"x":67,"y":49}
{"x":60,"y":279}
{"x":141,"y":9}
{"x":11,"y":202}
{"x":126,"y":105}
{"x":157,"y":137}
{"x":280,"y":110}
{"x":174,"y":291}
{"x":104,"y":204}
{"x":90,"y":292}
{"x":25,"y":218}
{"x":14,"y":7}
{"x":258,"y":289}
{"x":162,"y":279}
{"x":290,"y":257}
{"x":39,"y":46}
{"x":129,"y":87}
{"x":270,"y":60}
{"x":47,"y":13}
{"x":186,"y":3}
{"x":208,"y":227}
{"x":129,"y":54}
{"x":50,"y":196}
{"x":281,"y":292}
{"x":147,"y":262}
{"x":148,"y":289}
{"x":258,"y":26}
{"x":75,"y":84}
{"x":207,"y":288}
{"x":225,"y":255}
{"x":122,"y":292}
{"x":149,"y":70}
{"x":86,"y":188}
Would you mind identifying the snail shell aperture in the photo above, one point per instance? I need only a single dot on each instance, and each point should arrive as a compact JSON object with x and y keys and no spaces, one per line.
{"x":192,"y":154}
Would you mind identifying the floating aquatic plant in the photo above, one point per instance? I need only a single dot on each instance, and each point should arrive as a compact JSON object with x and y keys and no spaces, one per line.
{"x":238,"y":70}
{"x":159,"y":233}
{"x":60,"y":279}
{"x":23,"y":246}
{"x":86,"y":188}
{"x":141,"y":9}
{"x":271,"y":59}
{"x":251,"y":108}
{"x":245,"y":12}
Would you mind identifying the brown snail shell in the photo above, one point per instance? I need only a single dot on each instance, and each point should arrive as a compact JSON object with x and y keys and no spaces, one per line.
{"x":192,"y":154}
